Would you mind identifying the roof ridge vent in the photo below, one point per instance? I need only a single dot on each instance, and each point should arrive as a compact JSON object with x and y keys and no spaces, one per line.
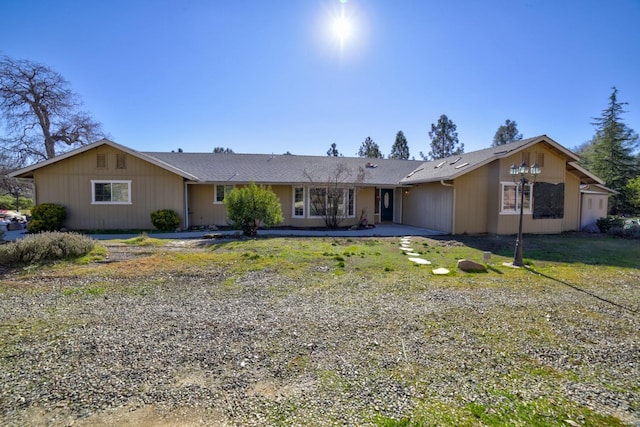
{"x":439,"y":165}
{"x":455,"y":161}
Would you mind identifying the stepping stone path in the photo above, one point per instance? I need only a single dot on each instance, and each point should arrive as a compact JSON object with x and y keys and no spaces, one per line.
{"x":415,"y":257}
{"x":405,"y":243}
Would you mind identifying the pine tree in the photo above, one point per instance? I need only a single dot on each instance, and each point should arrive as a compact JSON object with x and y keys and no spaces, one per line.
{"x":444,"y":140}
{"x":507,"y":133}
{"x":333,"y":151}
{"x":610,"y":155}
{"x":400,"y":148}
{"x":370,"y":149}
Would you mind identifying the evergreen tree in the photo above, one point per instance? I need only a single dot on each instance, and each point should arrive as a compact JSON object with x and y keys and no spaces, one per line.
{"x":507,"y":133}
{"x":222,"y":150}
{"x":370,"y":149}
{"x":333,"y":151}
{"x":400,"y":148}
{"x":444,"y":140}
{"x":610,"y":154}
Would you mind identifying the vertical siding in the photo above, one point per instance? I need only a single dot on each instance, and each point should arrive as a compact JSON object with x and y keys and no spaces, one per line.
{"x":473,"y":202}
{"x":203,"y":212}
{"x":429,"y":206}
{"x":571,"y":220}
{"x":554,"y":171}
{"x":68,"y":183}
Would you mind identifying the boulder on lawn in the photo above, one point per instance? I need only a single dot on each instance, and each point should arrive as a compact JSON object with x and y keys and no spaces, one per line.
{"x":471,"y":266}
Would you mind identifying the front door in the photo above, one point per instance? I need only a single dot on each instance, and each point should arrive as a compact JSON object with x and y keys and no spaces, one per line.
{"x":386,"y":204}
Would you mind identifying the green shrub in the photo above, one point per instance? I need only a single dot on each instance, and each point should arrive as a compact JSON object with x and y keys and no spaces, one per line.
{"x":47,"y":217}
{"x":46,"y":246}
{"x":251,"y":206}
{"x":9,"y":203}
{"x":165,"y":220}
{"x":606,"y":224}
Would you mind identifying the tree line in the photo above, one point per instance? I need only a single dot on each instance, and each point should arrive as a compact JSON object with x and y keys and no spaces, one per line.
{"x":43,"y":117}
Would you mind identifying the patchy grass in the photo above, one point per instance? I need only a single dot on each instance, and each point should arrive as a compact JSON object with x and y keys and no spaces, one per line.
{"x":299,"y":331}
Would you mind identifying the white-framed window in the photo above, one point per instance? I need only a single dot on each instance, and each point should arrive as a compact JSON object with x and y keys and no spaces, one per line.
{"x":319,"y":199}
{"x":298,"y":202}
{"x":510,"y":200}
{"x":221,"y":192}
{"x":111,"y":192}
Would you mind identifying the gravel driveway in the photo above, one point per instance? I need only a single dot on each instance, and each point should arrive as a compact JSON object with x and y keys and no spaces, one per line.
{"x":264,"y":349}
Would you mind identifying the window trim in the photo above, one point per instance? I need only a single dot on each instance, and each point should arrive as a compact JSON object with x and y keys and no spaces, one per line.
{"x":304,"y":202}
{"x":516,"y":211}
{"x":225,"y":192}
{"x":349,"y":201}
{"x":110,"y":181}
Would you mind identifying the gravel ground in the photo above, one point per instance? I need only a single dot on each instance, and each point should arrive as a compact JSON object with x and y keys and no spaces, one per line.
{"x":263,"y":349}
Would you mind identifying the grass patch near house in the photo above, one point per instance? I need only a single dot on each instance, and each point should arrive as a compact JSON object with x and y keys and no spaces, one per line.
{"x":321,"y":331}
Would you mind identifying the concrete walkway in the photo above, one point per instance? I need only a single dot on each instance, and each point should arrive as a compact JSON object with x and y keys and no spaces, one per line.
{"x":381,"y":230}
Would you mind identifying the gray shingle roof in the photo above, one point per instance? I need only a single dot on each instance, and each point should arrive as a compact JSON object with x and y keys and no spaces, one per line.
{"x":452,"y":167}
{"x":283,"y":169}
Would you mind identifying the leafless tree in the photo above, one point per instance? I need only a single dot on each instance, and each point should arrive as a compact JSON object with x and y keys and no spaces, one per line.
{"x":330,"y":191}
{"x":40,"y":112}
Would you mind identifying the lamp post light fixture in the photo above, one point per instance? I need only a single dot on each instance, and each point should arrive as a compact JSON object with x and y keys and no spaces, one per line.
{"x":518,"y":173}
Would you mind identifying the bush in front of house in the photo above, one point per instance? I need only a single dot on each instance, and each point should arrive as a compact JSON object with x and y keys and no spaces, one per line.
{"x":47,"y":217}
{"x":46,"y":246}
{"x":165,"y":220}
{"x":607,"y":223}
{"x":251,"y":206}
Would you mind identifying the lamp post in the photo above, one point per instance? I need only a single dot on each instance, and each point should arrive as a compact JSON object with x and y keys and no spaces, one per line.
{"x":518,"y":173}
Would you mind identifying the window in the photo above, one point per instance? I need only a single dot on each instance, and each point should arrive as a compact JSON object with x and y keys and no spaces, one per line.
{"x":342,"y":198}
{"x":298,"y":202}
{"x":317,"y":201}
{"x":121,"y":161}
{"x":101,"y":161}
{"x":511,"y":198}
{"x":111,"y":192}
{"x":221,"y":192}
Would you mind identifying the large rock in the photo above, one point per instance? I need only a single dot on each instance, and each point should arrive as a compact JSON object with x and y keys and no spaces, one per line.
{"x":471,"y":266}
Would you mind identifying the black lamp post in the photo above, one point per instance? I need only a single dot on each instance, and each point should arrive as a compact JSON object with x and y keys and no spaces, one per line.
{"x":519,"y":177}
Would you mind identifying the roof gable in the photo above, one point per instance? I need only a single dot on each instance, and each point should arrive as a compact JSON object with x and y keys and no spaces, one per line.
{"x":455,"y":166}
{"x":28,"y":171}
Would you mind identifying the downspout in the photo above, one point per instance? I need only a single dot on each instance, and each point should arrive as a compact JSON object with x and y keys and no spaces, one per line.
{"x":186,"y":206}
{"x":453,"y":210}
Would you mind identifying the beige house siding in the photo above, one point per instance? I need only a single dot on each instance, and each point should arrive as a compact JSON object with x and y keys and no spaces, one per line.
{"x":554,"y":171}
{"x":473,"y":201}
{"x":69,"y":183}
{"x":204,"y":212}
{"x":571,"y":220}
{"x":429,"y":206}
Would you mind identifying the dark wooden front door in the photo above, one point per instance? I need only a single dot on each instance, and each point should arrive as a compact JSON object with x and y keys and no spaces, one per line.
{"x":386,"y":204}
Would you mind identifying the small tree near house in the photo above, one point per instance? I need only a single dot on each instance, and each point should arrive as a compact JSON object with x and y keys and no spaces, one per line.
{"x":332,"y":195}
{"x":253,"y":206}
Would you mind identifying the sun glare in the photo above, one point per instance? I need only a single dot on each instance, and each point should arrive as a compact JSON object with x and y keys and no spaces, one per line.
{"x":342,"y":28}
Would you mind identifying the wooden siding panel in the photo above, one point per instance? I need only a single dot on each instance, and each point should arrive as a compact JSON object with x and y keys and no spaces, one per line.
{"x":429,"y":206}
{"x":68,"y":183}
{"x":571,"y":220}
{"x":472,"y":202}
{"x":554,"y":171}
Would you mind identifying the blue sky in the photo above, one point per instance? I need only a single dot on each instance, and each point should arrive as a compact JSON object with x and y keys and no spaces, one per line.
{"x":270,"y":76}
